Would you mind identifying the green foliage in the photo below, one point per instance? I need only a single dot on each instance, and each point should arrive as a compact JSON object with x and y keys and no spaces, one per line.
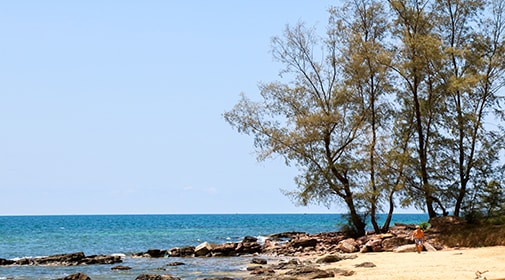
{"x":424,"y":225}
{"x":349,"y":228}
{"x":487,"y":204}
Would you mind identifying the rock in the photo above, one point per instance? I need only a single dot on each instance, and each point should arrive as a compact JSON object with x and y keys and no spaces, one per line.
{"x":365,"y":264}
{"x":348,"y":245}
{"x":391,"y":243}
{"x":187,"y":251}
{"x":405,"y":226}
{"x":248,"y":248}
{"x":329,"y":259}
{"x":291,"y":264}
{"x":71,"y":259}
{"x":64,"y":259}
{"x":285,"y":235}
{"x":155,"y":253}
{"x":148,"y":277}
{"x":76,"y":276}
{"x":374,"y":245}
{"x":101,"y":259}
{"x":303,"y":242}
{"x":120,"y":267}
{"x":259,"y":261}
{"x":156,"y":277}
{"x":405,"y":248}
{"x":225,"y":249}
{"x":386,"y":235}
{"x":250,"y":239}
{"x":175,"y":264}
{"x":203,"y":249}
{"x":6,"y":262}
{"x":262,"y":270}
{"x":310,"y":272}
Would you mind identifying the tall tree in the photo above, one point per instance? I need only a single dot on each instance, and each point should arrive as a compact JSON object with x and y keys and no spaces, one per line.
{"x":387,"y":109}
{"x":311,"y":121}
{"x":419,"y":94}
{"x":473,"y":66}
{"x":361,"y":27}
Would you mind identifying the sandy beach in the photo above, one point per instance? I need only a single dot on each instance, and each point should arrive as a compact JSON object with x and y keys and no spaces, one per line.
{"x":445,"y":264}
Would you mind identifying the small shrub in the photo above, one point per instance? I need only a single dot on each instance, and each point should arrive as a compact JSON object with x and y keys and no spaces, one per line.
{"x":424,"y":225}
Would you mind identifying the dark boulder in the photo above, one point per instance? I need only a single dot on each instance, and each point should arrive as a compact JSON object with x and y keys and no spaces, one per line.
{"x":250,"y":239}
{"x":303,"y":242}
{"x":120,"y":267}
{"x":69,"y":260}
{"x":259,"y":261}
{"x":310,"y":272}
{"x":155,"y":253}
{"x":6,"y":262}
{"x":76,"y":276}
{"x":156,"y":277}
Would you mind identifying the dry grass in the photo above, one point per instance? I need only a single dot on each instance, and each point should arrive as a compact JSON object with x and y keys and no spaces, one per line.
{"x":465,"y":235}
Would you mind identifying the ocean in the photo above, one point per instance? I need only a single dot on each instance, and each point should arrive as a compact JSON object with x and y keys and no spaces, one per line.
{"x":32,"y":236}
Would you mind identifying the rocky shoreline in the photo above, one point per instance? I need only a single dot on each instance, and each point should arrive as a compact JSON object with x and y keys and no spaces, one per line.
{"x":306,"y":254}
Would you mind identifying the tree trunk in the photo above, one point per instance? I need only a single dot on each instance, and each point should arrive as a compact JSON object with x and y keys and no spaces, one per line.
{"x":387,"y":222}
{"x":356,"y":218}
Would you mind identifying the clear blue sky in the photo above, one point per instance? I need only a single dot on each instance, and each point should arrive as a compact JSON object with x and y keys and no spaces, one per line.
{"x":116,"y":106}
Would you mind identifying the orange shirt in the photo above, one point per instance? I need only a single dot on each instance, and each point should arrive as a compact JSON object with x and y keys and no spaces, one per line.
{"x":418,"y":234}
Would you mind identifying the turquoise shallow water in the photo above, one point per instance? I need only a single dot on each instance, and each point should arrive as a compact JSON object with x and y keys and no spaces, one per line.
{"x":28,"y":236}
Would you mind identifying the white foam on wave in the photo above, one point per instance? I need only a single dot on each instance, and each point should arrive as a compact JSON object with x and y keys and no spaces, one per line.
{"x":261,"y":239}
{"x":118,"y":255}
{"x":28,"y":257}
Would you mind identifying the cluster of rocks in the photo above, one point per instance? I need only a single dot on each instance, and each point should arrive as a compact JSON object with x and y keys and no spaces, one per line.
{"x":249,"y":245}
{"x":260,"y":269}
{"x":82,"y":276}
{"x":65,"y":260}
{"x":398,"y":239}
{"x":326,"y":247}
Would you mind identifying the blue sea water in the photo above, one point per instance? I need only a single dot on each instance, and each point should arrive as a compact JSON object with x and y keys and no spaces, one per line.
{"x":31,"y":236}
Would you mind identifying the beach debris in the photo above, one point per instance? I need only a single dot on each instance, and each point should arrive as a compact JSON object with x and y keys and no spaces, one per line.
{"x":405,"y":248}
{"x":429,"y":247}
{"x":478,"y":275}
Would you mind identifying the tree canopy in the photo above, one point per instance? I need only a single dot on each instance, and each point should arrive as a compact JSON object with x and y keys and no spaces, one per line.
{"x":398,"y":104}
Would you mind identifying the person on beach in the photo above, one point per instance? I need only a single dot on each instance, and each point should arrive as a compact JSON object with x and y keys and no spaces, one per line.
{"x":418,"y":237}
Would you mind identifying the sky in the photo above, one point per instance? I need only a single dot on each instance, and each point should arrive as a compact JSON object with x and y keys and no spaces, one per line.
{"x":116,"y":107}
